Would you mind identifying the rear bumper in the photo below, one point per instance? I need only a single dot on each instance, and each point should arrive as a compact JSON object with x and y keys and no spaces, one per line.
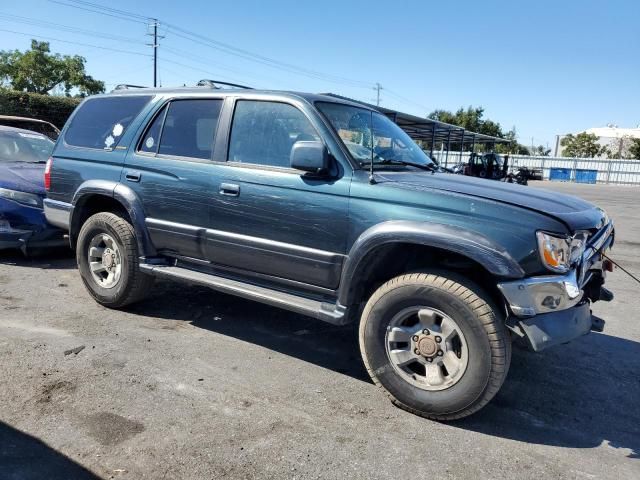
{"x":57,"y":213}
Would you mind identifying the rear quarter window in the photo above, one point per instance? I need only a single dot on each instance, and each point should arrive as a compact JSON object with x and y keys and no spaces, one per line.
{"x":101,"y":122}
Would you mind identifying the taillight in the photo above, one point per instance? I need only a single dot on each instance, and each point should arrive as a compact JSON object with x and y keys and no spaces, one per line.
{"x":47,"y":174}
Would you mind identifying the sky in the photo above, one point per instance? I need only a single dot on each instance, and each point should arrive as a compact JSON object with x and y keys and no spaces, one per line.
{"x":545,"y":67}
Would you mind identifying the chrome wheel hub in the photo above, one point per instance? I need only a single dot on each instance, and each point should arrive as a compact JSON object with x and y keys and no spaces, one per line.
{"x":427,"y":348}
{"x":105,"y":262}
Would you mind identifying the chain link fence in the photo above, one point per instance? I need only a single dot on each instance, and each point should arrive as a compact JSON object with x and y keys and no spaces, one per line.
{"x":580,"y":170}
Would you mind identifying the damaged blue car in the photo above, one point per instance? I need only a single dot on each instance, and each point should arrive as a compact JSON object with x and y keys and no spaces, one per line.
{"x":23,"y":157}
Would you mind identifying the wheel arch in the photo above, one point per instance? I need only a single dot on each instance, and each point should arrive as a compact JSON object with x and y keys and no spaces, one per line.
{"x":103,"y":196}
{"x":392,"y":248}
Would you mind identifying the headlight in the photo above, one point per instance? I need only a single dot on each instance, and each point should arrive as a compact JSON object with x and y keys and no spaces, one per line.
{"x":23,"y":198}
{"x":560,"y":253}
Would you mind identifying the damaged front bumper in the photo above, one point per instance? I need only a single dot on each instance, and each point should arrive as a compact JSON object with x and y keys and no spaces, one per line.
{"x":554,"y":309}
{"x":26,"y":239}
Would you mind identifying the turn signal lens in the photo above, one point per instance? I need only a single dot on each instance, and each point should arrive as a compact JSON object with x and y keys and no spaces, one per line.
{"x":555,"y":252}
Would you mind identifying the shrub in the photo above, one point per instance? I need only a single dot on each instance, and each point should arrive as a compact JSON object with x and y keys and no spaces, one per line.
{"x":34,"y":105}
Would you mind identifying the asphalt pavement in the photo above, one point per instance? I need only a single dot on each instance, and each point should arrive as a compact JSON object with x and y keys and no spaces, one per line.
{"x":193,"y":384}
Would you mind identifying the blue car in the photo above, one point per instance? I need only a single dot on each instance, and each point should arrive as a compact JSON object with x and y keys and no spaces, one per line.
{"x":23,"y":156}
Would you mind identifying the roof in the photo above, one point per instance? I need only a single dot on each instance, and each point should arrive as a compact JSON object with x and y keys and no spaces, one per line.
{"x":419,"y":128}
{"x":205,"y":90}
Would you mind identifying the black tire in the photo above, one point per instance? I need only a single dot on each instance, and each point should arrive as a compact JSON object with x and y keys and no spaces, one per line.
{"x":133,"y":285}
{"x":488,"y":343}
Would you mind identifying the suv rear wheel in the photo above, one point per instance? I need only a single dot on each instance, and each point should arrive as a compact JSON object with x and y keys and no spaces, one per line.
{"x":435,"y":343}
{"x":107,"y":256}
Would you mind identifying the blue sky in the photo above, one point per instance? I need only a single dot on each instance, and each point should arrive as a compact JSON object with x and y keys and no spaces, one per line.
{"x":545,"y":67}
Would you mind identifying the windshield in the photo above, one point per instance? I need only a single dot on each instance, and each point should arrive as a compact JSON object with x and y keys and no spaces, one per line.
{"x":371,"y":136}
{"x":16,"y":146}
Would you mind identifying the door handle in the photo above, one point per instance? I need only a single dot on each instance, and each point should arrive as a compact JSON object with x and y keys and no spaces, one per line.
{"x":229,"y":189}
{"x":133,"y":176}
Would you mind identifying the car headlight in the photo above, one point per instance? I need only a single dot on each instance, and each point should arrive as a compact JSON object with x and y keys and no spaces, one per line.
{"x":559,"y":253}
{"x":23,"y":198}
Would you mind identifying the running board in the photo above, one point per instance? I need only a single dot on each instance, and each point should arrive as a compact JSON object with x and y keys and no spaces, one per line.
{"x":327,"y":312}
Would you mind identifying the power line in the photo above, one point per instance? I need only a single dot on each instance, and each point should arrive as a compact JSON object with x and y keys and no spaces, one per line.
{"x":33,"y":35}
{"x":109,"y":9}
{"x":406,"y":100}
{"x":100,"y":11}
{"x":64,"y":28}
{"x":206,"y":72}
{"x":231,"y":50}
{"x":205,"y":41}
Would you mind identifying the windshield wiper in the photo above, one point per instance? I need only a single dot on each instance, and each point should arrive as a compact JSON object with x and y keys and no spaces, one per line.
{"x":424,"y":166}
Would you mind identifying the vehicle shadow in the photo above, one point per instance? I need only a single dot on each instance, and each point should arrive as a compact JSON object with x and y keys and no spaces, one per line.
{"x":320,"y":343}
{"x":578,"y":396}
{"x":25,"y":457}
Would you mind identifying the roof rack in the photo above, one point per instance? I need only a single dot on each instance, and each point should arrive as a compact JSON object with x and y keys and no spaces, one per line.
{"x":126,"y":86}
{"x":216,"y":84}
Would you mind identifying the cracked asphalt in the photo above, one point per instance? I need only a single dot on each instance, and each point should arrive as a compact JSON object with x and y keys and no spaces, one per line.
{"x":193,"y":384}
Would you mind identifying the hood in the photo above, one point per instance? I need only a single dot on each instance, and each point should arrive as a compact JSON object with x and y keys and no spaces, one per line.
{"x":23,"y":177}
{"x":574,"y":212}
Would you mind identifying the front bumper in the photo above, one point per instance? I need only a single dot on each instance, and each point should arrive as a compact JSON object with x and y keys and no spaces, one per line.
{"x":553,"y":309}
{"x":24,"y":239}
{"x":549,"y":329}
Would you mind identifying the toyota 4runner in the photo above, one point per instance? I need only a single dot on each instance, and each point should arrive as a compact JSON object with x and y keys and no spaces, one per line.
{"x":327,"y":208}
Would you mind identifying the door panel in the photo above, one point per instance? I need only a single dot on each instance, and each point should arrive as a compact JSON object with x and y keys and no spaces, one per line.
{"x":281,"y":224}
{"x":174,"y":176}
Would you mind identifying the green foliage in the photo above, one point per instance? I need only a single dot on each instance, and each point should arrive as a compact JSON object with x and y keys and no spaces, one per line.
{"x":541,"y":150}
{"x":472,"y":119}
{"x":469,"y":119}
{"x":582,"y":145}
{"x":634,"y":148}
{"x":33,"y":105}
{"x":39,"y":71}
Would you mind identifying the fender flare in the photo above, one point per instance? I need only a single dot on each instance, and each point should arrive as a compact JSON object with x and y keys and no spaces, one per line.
{"x":123,"y":195}
{"x":473,"y":245}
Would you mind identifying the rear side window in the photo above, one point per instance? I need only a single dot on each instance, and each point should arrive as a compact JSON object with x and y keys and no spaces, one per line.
{"x":263,"y":133}
{"x":101,"y":122}
{"x":185,"y":128}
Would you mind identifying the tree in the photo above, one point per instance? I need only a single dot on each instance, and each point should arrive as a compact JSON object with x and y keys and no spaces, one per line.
{"x":582,"y":145}
{"x":620,"y":148}
{"x":472,"y":119}
{"x":540,"y":150}
{"x":39,"y":71}
{"x":469,"y":119}
{"x":634,"y":148}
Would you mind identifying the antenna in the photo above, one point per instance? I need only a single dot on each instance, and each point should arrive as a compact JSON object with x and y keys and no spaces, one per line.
{"x":372,"y":179}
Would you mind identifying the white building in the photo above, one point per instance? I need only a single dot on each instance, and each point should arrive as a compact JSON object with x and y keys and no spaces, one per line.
{"x":615,"y":138}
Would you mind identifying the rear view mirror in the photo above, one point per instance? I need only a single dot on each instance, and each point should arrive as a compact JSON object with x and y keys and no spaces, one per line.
{"x":310,"y":156}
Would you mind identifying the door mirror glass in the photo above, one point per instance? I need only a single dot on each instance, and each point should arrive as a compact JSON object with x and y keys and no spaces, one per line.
{"x":310,"y":156}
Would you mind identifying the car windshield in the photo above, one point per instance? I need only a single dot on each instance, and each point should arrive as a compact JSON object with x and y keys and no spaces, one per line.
{"x":30,"y":147}
{"x":371,"y":136}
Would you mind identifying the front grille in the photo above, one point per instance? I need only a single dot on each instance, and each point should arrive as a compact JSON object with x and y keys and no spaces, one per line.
{"x":591,"y":258}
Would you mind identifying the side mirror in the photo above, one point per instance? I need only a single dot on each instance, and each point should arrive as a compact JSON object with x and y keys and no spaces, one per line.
{"x":310,"y":156}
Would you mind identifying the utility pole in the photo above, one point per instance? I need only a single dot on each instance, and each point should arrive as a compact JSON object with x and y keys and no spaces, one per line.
{"x":377,"y":88}
{"x":155,"y":46}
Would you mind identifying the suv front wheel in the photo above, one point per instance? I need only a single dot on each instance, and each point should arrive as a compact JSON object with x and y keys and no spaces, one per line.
{"x":107,"y":256}
{"x":435,"y":343}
